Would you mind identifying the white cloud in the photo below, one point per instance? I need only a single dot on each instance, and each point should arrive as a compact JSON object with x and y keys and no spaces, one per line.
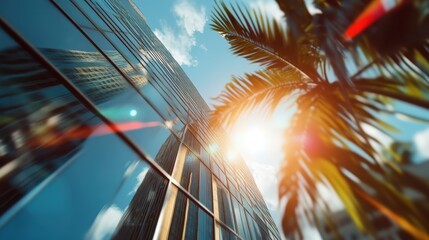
{"x":266,"y":179}
{"x":190,"y":20}
{"x":105,"y":223}
{"x":269,"y":7}
{"x":179,"y":45}
{"x":421,"y":140}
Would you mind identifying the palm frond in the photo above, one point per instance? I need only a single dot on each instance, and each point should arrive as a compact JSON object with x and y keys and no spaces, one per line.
{"x":262,"y":40}
{"x":409,"y":91}
{"x":296,"y":13}
{"x":326,"y":143}
{"x":268,"y":87}
{"x":314,"y":136}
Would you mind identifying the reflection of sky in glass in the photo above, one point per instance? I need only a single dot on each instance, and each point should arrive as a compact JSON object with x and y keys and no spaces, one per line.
{"x":108,"y":219}
{"x":41,"y":15}
{"x":129,"y":103}
{"x":79,"y":193}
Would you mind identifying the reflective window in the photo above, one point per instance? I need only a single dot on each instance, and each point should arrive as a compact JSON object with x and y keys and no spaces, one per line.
{"x":205,"y":225}
{"x":53,"y":153}
{"x":43,"y":126}
{"x":128,"y":64}
{"x":191,"y":142}
{"x":167,"y":153}
{"x":188,"y":171}
{"x":246,"y":204}
{"x":240,"y":219}
{"x":138,"y":216}
{"x":215,"y":168}
{"x":194,"y":177}
{"x":224,"y":205}
{"x":136,"y":204}
{"x":253,"y":227}
{"x":222,"y":177}
{"x":206,"y":187}
{"x":90,"y":71}
{"x":172,"y":121}
{"x":205,"y":157}
{"x":225,"y":234}
{"x":189,"y":221}
{"x":233,"y":190}
{"x":262,"y":227}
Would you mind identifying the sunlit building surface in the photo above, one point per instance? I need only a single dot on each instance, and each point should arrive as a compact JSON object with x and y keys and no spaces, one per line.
{"x":102,"y":135}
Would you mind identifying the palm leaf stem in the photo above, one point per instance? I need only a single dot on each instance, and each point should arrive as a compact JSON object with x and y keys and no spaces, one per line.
{"x":401,"y":97}
{"x":274,"y":54}
{"x":363,"y":69}
{"x":406,"y":115}
{"x":265,"y":90}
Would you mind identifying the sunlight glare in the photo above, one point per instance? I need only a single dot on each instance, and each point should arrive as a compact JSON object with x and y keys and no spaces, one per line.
{"x":255,"y":139}
{"x":213,"y":148}
{"x":231,"y":155}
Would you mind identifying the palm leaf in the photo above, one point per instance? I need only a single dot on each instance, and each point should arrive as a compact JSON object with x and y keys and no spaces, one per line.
{"x":326,"y":143}
{"x":268,"y":87}
{"x":261,"y":40}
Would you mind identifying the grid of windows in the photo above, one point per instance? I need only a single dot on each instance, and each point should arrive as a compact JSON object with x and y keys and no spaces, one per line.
{"x":102,"y":130}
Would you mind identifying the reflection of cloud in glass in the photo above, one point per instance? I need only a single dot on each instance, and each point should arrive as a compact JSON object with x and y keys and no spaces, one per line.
{"x":140,"y":178}
{"x":105,"y":223}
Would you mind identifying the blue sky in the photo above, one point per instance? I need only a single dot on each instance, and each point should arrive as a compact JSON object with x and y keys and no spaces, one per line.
{"x":183,"y":27}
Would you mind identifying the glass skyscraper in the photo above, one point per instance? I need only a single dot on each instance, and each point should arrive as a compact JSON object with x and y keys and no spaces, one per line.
{"x":102,"y":135}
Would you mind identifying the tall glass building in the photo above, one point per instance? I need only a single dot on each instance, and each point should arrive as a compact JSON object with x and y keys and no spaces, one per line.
{"x":102,"y":135}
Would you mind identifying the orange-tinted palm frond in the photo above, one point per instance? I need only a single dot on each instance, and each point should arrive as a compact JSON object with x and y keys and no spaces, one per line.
{"x":267,"y":87}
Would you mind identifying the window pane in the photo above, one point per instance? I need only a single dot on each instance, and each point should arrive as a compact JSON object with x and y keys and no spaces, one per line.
{"x":190,"y":221}
{"x":224,"y":206}
{"x":253,"y":227}
{"x":188,"y":172}
{"x":205,"y":157}
{"x":240,"y":219}
{"x":43,"y":125}
{"x":127,"y":62}
{"x":206,"y":187}
{"x":225,"y":234}
{"x":191,"y":142}
{"x":181,"y":214}
{"x":140,"y":216}
{"x":205,"y":225}
{"x":56,"y":169}
{"x":136,"y":204}
{"x":90,"y":71}
{"x":46,"y":129}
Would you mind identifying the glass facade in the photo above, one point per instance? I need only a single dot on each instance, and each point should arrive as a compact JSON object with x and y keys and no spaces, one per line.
{"x":102,"y":135}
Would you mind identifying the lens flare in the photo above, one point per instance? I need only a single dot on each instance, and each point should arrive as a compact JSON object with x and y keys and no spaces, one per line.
{"x":133,"y":113}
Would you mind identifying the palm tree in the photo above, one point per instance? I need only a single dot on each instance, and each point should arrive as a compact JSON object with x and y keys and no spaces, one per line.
{"x":339,"y":88}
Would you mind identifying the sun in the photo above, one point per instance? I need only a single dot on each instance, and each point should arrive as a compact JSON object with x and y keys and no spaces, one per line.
{"x":256,"y":138}
{"x":253,"y":139}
